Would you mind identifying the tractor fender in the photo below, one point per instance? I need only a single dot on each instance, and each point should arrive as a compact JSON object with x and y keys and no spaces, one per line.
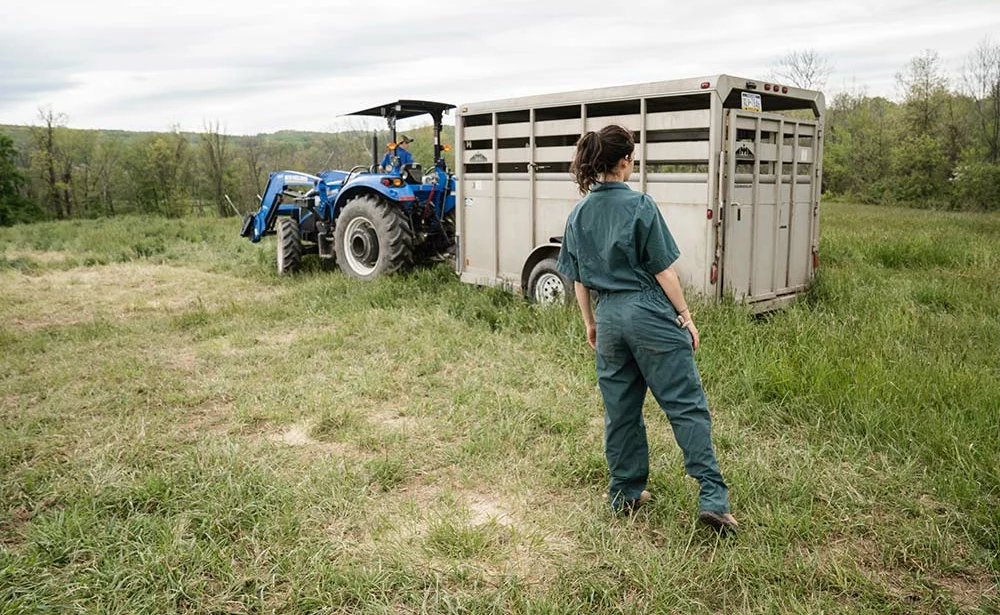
{"x":540,"y":253}
{"x":373,"y":185}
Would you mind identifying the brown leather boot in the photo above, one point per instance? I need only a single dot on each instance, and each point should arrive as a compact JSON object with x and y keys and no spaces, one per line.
{"x":723,"y":523}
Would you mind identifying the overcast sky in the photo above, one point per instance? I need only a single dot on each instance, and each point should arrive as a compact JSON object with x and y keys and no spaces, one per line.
{"x":299,"y":64}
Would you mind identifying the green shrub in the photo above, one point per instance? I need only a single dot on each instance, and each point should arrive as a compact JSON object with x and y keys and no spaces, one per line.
{"x":919,"y":172}
{"x":976,"y":185}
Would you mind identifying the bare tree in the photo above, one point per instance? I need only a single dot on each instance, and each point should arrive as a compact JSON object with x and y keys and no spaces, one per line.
{"x":107,"y":159}
{"x":924,"y":88}
{"x":215,"y":146}
{"x":805,"y":68}
{"x":46,"y":158}
{"x":981,"y":83}
{"x":253,"y":158}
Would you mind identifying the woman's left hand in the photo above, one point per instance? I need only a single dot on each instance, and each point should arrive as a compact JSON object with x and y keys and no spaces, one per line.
{"x":592,"y":336}
{"x":693,"y":330}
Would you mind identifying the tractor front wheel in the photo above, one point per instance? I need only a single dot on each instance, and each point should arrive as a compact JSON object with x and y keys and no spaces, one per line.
{"x":289,"y":246}
{"x":372,"y":238}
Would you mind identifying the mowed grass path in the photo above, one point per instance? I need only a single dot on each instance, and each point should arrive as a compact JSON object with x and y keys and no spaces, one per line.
{"x":181,"y":431}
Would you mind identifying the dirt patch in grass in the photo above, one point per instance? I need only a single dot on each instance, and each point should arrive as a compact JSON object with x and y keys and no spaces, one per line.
{"x":180,"y":358}
{"x":485,"y":508}
{"x":969,"y":592}
{"x":12,"y":529}
{"x":298,"y":436}
{"x":213,"y":417}
{"x":114,"y":293}
{"x":392,"y":417}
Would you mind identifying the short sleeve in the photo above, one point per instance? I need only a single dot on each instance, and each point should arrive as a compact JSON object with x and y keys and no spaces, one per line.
{"x":567,"y":263}
{"x":656,"y":246}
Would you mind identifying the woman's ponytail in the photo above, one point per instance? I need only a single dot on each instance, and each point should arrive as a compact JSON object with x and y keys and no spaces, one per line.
{"x":599,"y":152}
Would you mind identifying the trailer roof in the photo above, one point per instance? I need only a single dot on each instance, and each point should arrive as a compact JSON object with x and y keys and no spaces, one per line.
{"x":721,"y":84}
{"x":402,"y":109}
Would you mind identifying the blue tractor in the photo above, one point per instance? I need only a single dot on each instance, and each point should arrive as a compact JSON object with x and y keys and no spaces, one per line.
{"x":374,"y":222}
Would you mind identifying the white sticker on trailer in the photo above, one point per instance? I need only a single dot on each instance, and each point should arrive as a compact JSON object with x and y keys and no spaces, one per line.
{"x":751,"y":101}
{"x":803,"y":155}
{"x":745,"y":152}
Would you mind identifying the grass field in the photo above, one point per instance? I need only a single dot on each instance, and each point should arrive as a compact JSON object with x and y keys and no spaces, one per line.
{"x":181,"y":431}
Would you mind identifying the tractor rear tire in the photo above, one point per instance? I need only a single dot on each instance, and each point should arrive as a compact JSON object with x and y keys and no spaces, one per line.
{"x":373,"y":238}
{"x":289,"y":246}
{"x":546,"y":286}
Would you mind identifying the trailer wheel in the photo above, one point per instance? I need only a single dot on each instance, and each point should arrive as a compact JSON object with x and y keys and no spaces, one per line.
{"x":372,"y":238}
{"x":289,"y":246}
{"x":547,"y":286}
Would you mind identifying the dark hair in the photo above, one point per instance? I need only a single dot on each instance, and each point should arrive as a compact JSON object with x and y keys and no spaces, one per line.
{"x":599,"y":152}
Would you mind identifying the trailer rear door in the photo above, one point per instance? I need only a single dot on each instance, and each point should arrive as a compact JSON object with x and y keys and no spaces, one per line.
{"x":770,"y":203}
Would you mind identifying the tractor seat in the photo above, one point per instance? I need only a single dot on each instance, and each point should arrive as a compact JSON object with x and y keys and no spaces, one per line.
{"x":412,"y":173}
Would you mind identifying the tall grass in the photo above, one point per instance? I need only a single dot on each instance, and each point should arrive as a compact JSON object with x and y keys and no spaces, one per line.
{"x":184,"y":431}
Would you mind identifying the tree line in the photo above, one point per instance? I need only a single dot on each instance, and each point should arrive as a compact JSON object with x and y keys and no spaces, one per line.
{"x":49,"y":171}
{"x":936,"y":145}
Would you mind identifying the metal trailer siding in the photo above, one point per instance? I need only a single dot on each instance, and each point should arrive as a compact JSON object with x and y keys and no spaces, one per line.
{"x":509,"y":206}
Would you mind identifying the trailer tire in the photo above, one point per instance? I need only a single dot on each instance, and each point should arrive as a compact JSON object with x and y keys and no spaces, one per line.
{"x":373,"y":238}
{"x":546,"y":286}
{"x":289,"y":246}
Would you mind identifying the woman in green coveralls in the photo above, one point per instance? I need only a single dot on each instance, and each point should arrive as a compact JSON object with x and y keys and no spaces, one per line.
{"x":617,"y":244}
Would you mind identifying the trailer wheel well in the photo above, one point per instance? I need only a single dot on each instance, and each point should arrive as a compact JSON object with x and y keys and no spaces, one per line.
{"x":539,"y":254}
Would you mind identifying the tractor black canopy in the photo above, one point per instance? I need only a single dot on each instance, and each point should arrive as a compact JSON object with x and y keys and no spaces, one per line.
{"x":402,"y":109}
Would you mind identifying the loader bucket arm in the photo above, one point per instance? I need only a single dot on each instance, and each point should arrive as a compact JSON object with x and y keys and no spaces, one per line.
{"x":256,"y":225}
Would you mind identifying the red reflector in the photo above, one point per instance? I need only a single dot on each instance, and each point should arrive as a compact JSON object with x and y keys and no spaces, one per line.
{"x":784,"y":89}
{"x":407,"y":198}
{"x":386,"y":181}
{"x":708,"y":214}
{"x":767,"y":86}
{"x":715,"y":273}
{"x":705,"y":85}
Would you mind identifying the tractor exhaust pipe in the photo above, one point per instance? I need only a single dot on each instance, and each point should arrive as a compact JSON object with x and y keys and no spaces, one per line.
{"x":374,"y":149}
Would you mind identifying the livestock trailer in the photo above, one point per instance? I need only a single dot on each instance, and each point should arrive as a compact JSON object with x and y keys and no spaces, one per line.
{"x":734,"y":164}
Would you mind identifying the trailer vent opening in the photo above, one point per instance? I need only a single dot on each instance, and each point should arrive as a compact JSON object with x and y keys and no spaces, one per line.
{"x":610,"y":109}
{"x":547,"y":114}
{"x":482,"y":119}
{"x":513,"y":117}
{"x":682,"y":102}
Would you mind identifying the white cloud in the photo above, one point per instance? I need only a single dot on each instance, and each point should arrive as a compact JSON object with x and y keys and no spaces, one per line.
{"x":300,"y":64}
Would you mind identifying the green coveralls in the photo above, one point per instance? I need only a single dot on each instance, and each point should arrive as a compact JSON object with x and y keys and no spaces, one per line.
{"x":615,"y":243}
